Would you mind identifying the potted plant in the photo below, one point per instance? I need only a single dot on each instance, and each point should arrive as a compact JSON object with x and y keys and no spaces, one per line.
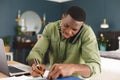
{"x":7,"y":43}
{"x":19,"y":32}
{"x":102,"y":42}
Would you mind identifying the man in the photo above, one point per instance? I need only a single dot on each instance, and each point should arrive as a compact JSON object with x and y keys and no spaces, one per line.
{"x":72,"y":45}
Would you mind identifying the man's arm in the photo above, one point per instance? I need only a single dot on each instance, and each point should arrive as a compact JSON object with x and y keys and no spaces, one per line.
{"x":64,"y":70}
{"x":90,"y":51}
{"x":40,"y":48}
{"x":82,"y":70}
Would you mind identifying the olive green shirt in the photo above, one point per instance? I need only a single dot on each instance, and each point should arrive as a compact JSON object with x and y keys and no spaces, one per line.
{"x":83,"y":51}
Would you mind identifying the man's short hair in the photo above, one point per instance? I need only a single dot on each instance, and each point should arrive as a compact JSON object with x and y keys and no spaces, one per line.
{"x":76,"y":13}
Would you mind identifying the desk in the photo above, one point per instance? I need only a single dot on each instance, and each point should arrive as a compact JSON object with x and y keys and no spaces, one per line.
{"x":110,"y":69}
{"x":66,"y":78}
{"x":111,"y":54}
{"x":9,"y":62}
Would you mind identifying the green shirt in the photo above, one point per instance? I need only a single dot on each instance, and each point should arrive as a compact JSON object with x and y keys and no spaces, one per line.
{"x":83,"y":51}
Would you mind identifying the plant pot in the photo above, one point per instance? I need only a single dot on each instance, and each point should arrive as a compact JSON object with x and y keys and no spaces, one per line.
{"x":7,"y":49}
{"x":102,"y":47}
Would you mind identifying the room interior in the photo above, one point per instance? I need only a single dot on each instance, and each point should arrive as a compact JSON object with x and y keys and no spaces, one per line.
{"x":48,"y":11}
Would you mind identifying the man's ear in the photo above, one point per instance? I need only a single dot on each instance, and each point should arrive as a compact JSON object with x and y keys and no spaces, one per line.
{"x":81,"y":23}
{"x":63,"y":15}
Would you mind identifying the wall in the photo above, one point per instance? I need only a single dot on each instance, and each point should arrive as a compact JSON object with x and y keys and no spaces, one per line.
{"x":8,"y":14}
{"x":97,"y":10}
{"x":9,"y":10}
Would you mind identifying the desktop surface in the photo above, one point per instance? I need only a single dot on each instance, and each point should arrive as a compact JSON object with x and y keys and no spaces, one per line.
{"x":65,"y":78}
{"x":3,"y":75}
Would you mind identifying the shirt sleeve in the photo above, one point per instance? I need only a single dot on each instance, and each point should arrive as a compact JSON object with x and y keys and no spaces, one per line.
{"x":90,"y":52}
{"x":40,"y":47}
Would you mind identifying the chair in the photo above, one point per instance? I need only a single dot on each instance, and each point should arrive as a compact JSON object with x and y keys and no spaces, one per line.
{"x":9,"y":56}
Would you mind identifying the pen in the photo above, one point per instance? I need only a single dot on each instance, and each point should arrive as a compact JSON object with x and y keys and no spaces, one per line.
{"x":37,"y":64}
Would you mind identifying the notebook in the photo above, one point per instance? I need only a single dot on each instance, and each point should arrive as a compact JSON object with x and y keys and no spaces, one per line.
{"x":13,"y":69}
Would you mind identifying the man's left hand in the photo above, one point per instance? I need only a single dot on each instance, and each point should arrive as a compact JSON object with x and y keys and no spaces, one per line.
{"x":60,"y":70}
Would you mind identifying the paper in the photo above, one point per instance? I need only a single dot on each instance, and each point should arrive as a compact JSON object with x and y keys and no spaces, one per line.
{"x":17,"y":78}
{"x":23,"y":77}
{"x":46,"y":73}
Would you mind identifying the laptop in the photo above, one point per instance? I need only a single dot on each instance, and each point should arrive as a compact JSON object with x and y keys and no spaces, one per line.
{"x":13,"y":69}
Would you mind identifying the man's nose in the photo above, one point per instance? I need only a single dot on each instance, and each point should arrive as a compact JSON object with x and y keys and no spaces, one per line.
{"x":69,"y":31}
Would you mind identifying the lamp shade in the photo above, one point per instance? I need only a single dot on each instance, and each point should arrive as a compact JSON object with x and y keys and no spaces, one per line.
{"x":104,"y":25}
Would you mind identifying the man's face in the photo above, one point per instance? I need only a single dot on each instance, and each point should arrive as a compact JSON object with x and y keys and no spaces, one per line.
{"x":69,"y":26}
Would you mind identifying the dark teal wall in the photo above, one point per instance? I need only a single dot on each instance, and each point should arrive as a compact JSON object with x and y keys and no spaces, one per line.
{"x":97,"y":10}
{"x":9,"y":10}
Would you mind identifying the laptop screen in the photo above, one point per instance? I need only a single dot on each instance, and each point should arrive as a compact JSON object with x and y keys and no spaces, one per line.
{"x":3,"y":60}
{"x":21,"y":69}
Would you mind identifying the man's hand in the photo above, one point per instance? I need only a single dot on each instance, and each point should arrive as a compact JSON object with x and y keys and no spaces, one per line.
{"x":60,"y":70}
{"x":37,"y":70}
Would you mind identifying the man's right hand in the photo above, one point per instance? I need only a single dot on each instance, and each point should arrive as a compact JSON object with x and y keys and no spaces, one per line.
{"x":37,"y":70}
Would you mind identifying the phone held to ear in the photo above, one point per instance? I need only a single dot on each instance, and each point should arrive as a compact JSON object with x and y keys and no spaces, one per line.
{"x":74,"y":38}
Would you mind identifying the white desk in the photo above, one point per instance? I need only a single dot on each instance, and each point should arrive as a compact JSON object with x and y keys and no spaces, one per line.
{"x":110,"y":54}
{"x":110,"y":69}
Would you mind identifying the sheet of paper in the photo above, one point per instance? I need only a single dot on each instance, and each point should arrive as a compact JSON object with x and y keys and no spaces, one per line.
{"x":23,"y":77}
{"x":16,"y":78}
{"x":46,"y":73}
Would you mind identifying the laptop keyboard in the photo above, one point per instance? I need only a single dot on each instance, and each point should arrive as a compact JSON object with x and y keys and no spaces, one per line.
{"x":14,"y":70}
